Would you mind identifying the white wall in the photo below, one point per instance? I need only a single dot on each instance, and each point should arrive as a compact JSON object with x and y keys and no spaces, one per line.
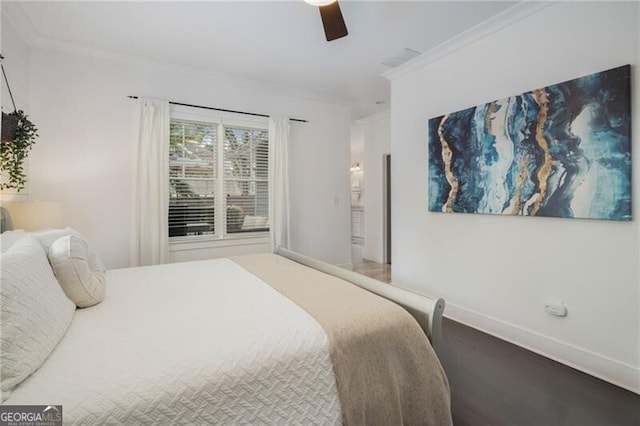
{"x":375,"y":134}
{"x":16,"y":65}
{"x":497,"y":272}
{"x":320,"y":182}
{"x":357,"y":141}
{"x":84,"y":154}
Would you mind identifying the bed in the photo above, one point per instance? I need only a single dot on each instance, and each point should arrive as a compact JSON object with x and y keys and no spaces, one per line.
{"x":273,"y":338}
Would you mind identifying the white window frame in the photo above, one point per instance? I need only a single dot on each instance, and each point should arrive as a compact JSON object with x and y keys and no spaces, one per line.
{"x":221,"y":237}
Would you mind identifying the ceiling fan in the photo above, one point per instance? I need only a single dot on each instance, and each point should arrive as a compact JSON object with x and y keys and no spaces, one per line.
{"x":332,"y":20}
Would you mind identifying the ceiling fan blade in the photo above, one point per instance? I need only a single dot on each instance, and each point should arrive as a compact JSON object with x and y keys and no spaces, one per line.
{"x":333,"y":22}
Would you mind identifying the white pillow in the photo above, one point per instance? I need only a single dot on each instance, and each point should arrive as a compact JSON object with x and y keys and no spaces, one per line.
{"x":249,"y":222}
{"x":8,"y":238}
{"x":47,"y":238}
{"x":34,"y":310}
{"x":254,"y":222}
{"x":69,"y":258}
{"x":261,"y":221}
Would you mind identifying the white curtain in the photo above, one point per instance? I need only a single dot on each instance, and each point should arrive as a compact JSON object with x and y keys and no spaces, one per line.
{"x":279,"y":181}
{"x":149,"y":234}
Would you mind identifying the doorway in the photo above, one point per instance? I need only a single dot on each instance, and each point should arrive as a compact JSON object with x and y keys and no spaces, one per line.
{"x":386,"y":205}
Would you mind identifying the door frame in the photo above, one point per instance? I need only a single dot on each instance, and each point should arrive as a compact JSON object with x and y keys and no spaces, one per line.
{"x":386,"y":208}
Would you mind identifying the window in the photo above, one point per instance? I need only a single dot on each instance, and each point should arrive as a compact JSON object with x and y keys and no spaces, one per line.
{"x":217,"y":165}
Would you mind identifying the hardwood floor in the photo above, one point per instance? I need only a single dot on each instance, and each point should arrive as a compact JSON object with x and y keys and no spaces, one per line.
{"x":379,"y":271}
{"x":496,"y":383}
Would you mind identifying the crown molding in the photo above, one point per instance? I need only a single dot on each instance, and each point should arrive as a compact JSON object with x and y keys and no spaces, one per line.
{"x":18,"y":19}
{"x":54,"y":45}
{"x":482,"y":30}
{"x":374,"y":117}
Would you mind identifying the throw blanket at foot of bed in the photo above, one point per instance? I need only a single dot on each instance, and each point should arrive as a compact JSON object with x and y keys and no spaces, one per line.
{"x":386,"y":371}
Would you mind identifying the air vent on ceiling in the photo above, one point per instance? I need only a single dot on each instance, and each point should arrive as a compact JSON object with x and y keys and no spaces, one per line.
{"x":405,"y":56}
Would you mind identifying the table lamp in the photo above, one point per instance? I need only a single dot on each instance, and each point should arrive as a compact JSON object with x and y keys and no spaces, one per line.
{"x":34,"y":215}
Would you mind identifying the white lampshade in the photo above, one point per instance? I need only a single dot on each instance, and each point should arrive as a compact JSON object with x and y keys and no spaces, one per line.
{"x":34,"y":215}
{"x":319,"y":2}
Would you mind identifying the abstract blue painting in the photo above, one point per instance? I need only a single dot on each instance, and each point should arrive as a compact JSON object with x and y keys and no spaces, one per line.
{"x":562,"y":151}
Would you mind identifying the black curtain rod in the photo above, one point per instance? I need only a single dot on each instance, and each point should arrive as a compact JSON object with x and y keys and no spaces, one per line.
{"x":225,"y":110}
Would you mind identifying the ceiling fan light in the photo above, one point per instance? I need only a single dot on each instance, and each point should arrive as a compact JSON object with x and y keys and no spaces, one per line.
{"x":319,"y":2}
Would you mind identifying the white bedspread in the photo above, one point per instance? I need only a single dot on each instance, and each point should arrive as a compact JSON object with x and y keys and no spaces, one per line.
{"x":199,"y":342}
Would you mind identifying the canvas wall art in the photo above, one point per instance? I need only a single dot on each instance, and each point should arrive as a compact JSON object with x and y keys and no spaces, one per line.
{"x":562,"y":150}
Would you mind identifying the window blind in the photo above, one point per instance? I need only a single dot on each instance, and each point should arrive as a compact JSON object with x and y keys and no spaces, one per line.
{"x":220,"y":168}
{"x":245,"y":176}
{"x":192,"y":178}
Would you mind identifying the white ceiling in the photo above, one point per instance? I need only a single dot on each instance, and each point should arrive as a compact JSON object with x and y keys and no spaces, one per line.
{"x":279,"y":42}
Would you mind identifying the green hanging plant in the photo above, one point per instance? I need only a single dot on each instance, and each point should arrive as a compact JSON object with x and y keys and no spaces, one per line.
{"x":14,"y":152}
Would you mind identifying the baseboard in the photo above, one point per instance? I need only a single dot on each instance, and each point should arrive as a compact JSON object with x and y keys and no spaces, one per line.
{"x":610,"y":370}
